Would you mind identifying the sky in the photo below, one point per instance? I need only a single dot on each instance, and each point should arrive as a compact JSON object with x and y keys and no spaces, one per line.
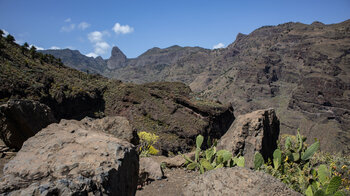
{"x":94,"y":27}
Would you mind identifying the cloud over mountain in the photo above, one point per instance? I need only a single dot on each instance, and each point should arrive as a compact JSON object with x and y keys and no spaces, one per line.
{"x":219,"y":45}
{"x":122,"y":29}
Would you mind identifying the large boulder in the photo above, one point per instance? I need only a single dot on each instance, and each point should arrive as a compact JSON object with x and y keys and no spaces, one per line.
{"x":118,"y":126}
{"x":72,"y":159}
{"x":21,"y":119}
{"x":236,"y":181}
{"x":253,"y":132}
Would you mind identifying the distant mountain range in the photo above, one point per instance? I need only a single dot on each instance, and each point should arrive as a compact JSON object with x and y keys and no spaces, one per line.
{"x":76,"y":60}
{"x":301,"y":70}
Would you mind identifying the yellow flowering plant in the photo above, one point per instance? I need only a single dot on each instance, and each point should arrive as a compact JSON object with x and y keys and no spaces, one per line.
{"x":147,"y":140}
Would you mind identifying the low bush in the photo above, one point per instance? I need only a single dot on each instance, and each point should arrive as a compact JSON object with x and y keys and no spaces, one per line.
{"x":301,"y":167}
{"x":210,"y":158}
{"x":147,"y":140}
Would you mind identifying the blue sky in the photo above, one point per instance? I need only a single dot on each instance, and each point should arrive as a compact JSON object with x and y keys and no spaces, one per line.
{"x":94,"y":27}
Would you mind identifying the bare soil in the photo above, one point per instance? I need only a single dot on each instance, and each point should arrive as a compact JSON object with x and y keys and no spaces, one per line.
{"x":172,"y":185}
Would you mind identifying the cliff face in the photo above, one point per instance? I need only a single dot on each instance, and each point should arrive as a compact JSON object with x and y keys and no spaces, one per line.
{"x":301,"y":70}
{"x":117,"y":60}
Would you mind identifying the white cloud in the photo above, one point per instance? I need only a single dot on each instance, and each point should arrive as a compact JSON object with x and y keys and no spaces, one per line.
{"x":122,"y":29}
{"x":101,"y":48}
{"x":54,"y":48}
{"x":37,"y":47}
{"x":83,"y":25}
{"x":68,"y":28}
{"x":219,"y":45}
{"x":91,"y":54}
{"x":68,"y":20}
{"x":95,"y":36}
{"x":5,"y":32}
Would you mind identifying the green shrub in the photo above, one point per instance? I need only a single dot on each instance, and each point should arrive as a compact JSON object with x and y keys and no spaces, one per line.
{"x":210,"y":159}
{"x":299,"y":167}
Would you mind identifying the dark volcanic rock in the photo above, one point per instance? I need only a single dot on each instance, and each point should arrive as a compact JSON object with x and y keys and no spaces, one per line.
{"x":117,"y":59}
{"x":236,"y":181}
{"x":168,"y":110}
{"x":76,"y":106}
{"x":72,"y":159}
{"x":254,"y":132}
{"x":325,"y":99}
{"x":22,"y":119}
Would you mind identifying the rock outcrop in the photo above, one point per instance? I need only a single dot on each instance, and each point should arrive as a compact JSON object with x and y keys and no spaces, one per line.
{"x":253,"y":132}
{"x":22,"y":119}
{"x":168,"y":110}
{"x":236,"y":181}
{"x":117,"y":126}
{"x":117,"y":60}
{"x":71,"y":159}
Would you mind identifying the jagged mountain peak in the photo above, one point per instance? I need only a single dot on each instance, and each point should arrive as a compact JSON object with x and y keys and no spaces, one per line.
{"x":116,"y":51}
{"x":117,"y":59}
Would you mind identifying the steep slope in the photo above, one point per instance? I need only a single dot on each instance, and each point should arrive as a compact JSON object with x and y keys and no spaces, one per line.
{"x":117,"y":59}
{"x":166,"y":109}
{"x":76,"y":60}
{"x":27,"y":74}
{"x":301,"y":70}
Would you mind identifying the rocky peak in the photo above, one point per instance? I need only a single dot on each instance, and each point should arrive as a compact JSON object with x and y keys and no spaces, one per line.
{"x":117,"y":59}
{"x":99,"y":58}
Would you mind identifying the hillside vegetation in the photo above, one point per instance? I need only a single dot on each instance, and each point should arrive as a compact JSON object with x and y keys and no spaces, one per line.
{"x":167,"y":109}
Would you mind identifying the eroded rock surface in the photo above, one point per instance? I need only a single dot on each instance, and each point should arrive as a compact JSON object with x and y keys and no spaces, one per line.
{"x":253,"y":132}
{"x":236,"y":181}
{"x":71,"y":159}
{"x":150,"y":170}
{"x":21,"y":119}
{"x":117,"y":126}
